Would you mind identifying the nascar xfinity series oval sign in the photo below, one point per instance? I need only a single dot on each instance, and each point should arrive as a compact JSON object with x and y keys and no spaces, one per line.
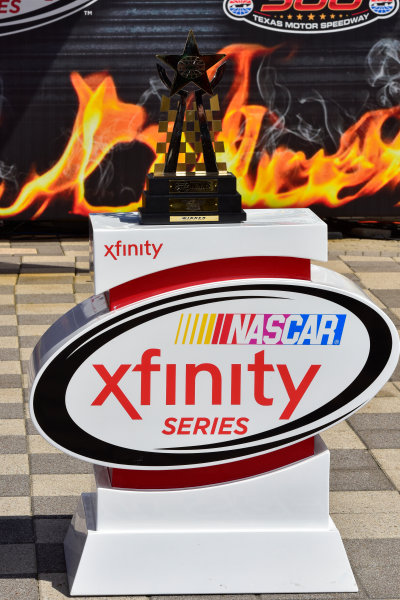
{"x":303,"y":16}
{"x":212,"y":375}
{"x":22,"y":15}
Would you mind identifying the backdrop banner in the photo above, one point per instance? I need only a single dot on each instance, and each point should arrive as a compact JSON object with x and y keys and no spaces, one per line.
{"x":310,"y":102}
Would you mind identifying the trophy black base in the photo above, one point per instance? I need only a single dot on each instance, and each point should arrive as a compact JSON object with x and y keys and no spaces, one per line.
{"x":174,"y":199}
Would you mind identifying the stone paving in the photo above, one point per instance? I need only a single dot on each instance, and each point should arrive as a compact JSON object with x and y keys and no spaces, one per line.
{"x":39,"y":486}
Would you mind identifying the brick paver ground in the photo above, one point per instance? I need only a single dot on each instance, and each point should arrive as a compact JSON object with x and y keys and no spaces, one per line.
{"x":39,"y":486}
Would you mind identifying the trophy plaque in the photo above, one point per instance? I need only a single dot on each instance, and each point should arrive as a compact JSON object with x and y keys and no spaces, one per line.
{"x":190,"y":183}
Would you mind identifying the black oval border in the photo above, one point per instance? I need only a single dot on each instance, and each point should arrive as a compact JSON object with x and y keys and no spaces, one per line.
{"x":47,"y":14}
{"x":53,"y":418}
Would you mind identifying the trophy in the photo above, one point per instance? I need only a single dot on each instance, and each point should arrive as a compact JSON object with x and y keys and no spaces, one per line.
{"x":190,"y":183}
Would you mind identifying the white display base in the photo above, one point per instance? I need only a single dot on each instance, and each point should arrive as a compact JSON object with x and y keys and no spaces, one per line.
{"x":266,"y":534}
{"x":290,"y":232}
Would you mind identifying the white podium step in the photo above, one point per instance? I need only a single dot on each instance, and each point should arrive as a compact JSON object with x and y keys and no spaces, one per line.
{"x":271,"y":533}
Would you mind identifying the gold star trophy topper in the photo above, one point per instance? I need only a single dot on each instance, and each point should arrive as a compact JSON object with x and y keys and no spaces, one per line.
{"x":191,"y":66}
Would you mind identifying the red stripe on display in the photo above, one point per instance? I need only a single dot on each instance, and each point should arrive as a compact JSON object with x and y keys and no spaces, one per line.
{"x":226,"y":269}
{"x":217,"y":331}
{"x":198,"y":477}
{"x":226,"y":328}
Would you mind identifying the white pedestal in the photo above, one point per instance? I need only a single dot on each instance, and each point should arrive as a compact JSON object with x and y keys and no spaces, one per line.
{"x":296,"y":232}
{"x":266,"y":534}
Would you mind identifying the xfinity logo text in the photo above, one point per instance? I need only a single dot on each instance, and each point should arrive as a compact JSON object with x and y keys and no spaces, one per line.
{"x":119,"y":249}
{"x":257,"y":369}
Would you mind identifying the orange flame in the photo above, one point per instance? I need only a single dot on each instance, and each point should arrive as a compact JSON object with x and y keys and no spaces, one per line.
{"x":102,"y":122}
{"x":364,"y":163}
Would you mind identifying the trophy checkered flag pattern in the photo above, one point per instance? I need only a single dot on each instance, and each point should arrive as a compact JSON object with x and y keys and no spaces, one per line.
{"x":191,"y":147}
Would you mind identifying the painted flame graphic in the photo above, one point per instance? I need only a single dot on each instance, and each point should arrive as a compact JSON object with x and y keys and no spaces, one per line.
{"x":363,"y":164}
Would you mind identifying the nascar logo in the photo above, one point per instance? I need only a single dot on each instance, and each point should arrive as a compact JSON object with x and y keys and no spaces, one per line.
{"x":261,"y":329}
